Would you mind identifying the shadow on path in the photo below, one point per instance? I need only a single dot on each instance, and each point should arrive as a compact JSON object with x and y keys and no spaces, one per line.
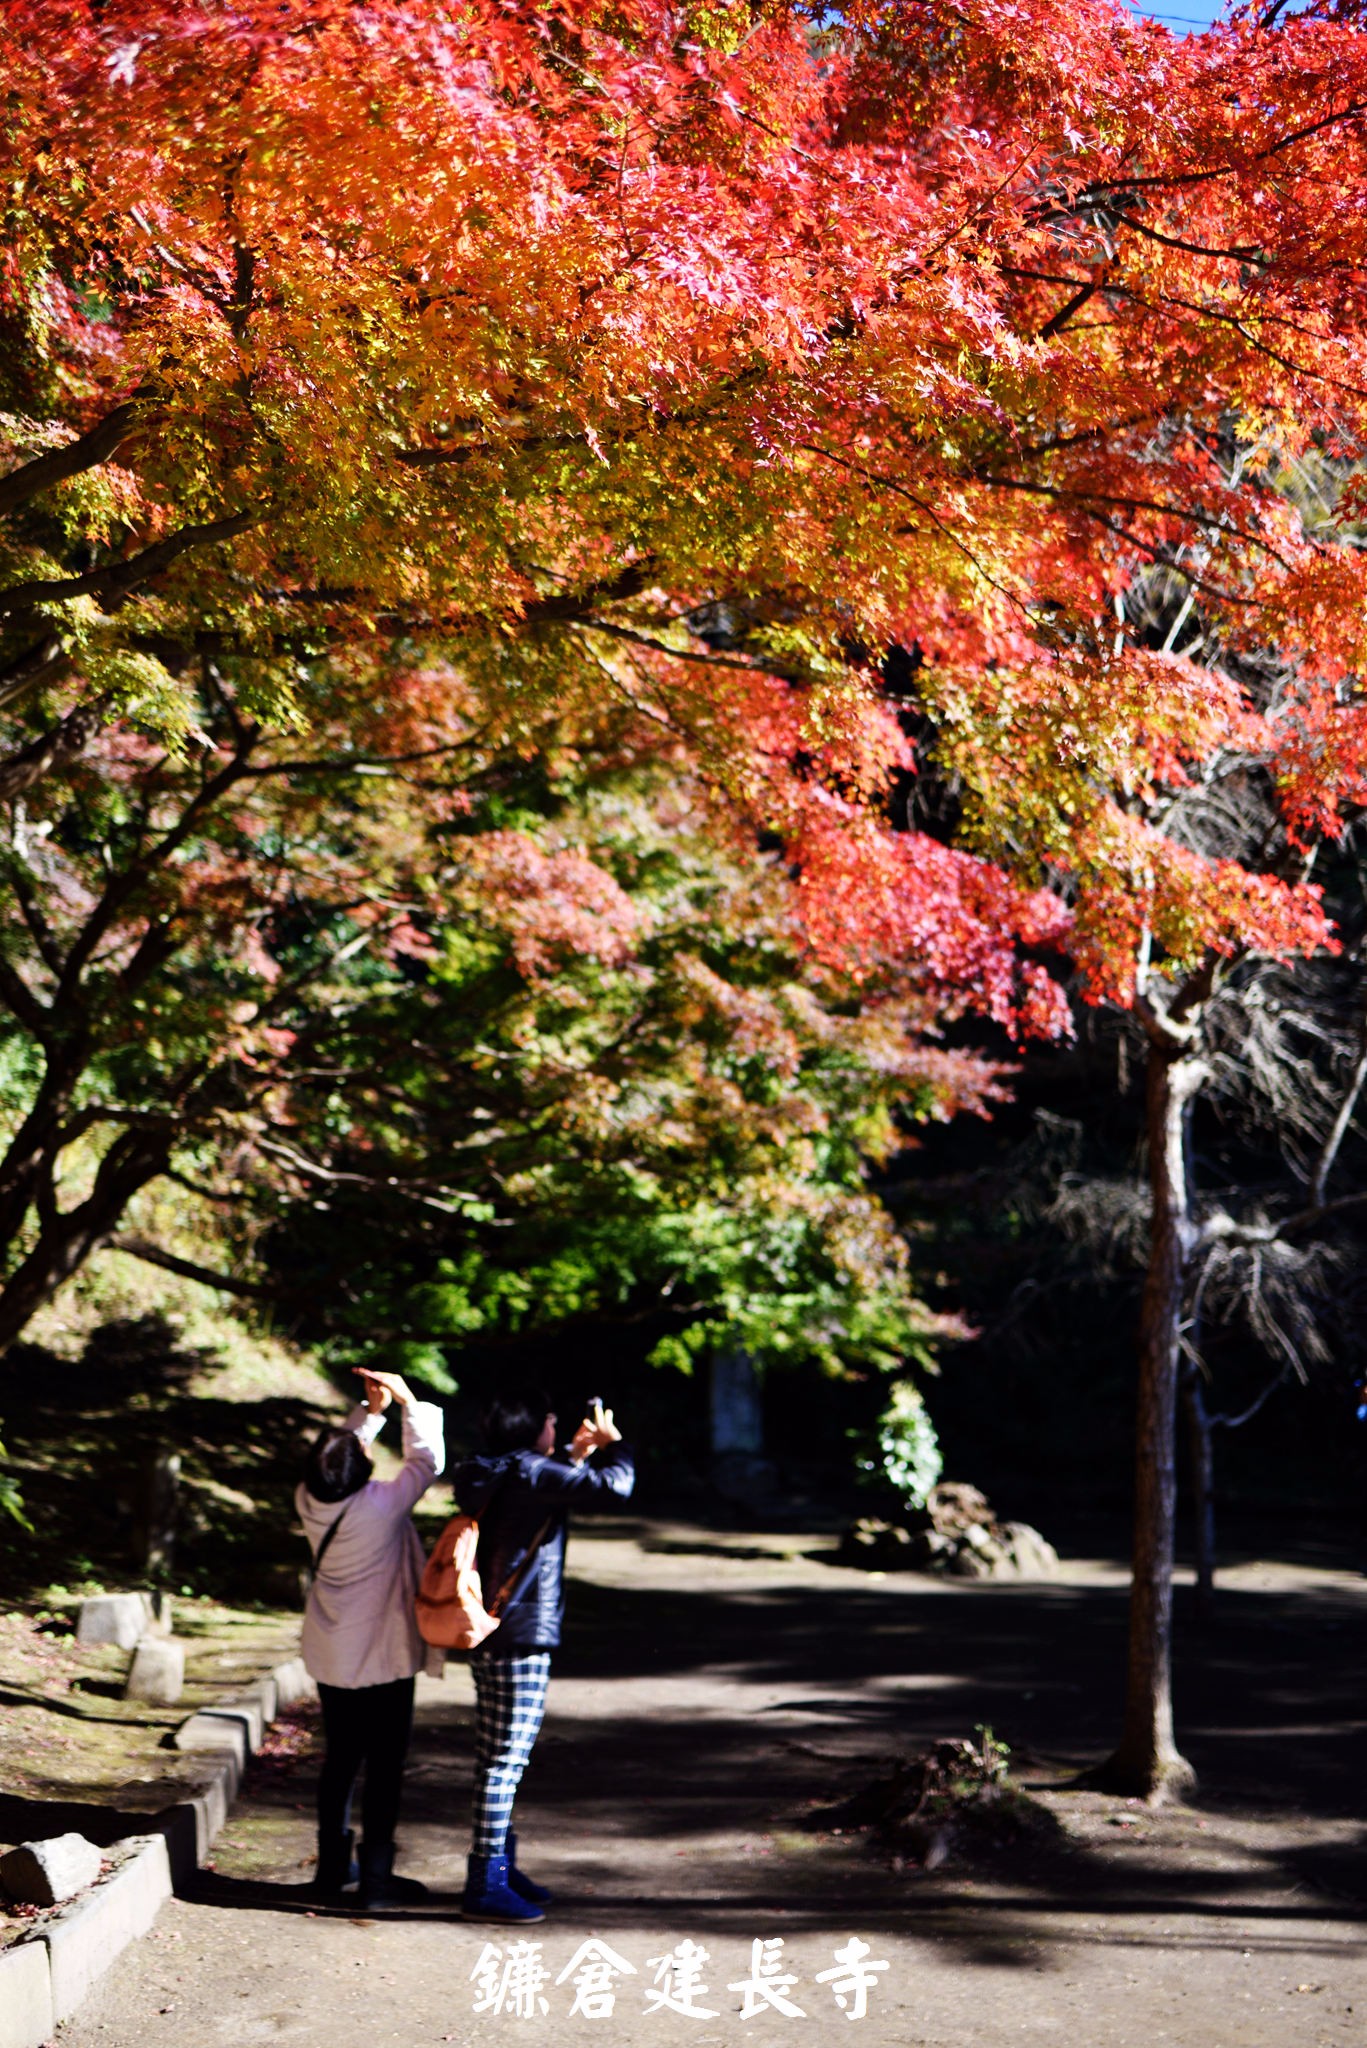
{"x":727,"y":1714}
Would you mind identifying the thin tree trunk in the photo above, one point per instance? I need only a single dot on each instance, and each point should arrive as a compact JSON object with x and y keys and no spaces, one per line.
{"x":1200,"y":1450}
{"x":1147,"y":1761}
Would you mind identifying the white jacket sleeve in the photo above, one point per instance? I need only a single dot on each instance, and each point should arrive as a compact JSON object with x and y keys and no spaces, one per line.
{"x":424,"y":1454}
{"x":366,"y":1425}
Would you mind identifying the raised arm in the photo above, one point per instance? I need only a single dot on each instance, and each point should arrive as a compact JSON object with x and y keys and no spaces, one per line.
{"x":612,"y":1471}
{"x":424,"y":1445}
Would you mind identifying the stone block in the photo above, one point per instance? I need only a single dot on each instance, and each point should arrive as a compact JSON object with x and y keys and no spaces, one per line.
{"x":119,"y":1618}
{"x":157,"y":1672}
{"x":213,"y":1729}
{"x":84,"y":1940}
{"x":249,"y":1709}
{"x":26,"y":2016}
{"x":292,"y":1684}
{"x":182,"y":1828}
{"x":45,"y":1873}
{"x":214,"y":1799}
{"x":190,"y":1827}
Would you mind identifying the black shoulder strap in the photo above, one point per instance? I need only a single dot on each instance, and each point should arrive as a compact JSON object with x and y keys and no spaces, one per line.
{"x":516,"y":1581}
{"x":321,"y":1552}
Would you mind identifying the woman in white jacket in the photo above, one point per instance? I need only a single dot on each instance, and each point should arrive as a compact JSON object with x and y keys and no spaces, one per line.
{"x":360,"y":1639}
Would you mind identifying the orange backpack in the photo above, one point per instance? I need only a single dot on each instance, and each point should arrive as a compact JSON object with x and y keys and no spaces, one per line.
{"x":451,"y":1610}
{"x":450,"y":1604}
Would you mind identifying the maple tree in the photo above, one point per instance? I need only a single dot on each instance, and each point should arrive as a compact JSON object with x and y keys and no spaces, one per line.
{"x":685,"y":360}
{"x":669,"y":1121}
{"x":569,"y":1043}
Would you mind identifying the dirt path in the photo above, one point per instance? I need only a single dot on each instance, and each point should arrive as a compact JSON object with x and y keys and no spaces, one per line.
{"x":712,"y":1688}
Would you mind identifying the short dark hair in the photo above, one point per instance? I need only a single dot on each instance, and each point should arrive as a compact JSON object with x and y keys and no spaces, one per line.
{"x":514,"y":1421}
{"x":337,"y":1465}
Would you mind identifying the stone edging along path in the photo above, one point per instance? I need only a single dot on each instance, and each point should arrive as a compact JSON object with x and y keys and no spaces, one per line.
{"x":46,"y":1974}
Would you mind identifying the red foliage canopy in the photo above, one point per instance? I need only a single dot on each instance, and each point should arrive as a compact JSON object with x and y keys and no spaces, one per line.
{"x":684,"y":358}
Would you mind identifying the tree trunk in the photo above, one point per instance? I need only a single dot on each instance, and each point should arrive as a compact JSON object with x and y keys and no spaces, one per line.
{"x":1201,"y":1452}
{"x":67,"y":1239}
{"x":30,"y":1158}
{"x":1147,"y":1761}
{"x":156,"y":1513}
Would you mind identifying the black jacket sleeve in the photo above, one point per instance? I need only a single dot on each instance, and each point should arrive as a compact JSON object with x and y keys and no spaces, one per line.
{"x":611,"y":1470}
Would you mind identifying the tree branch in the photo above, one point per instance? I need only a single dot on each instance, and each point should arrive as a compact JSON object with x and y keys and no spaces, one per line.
{"x":637,"y":639}
{"x":1084,"y":499}
{"x":88,"y":451}
{"x":409,"y":1190}
{"x":1173,"y":178}
{"x":1066,"y":311}
{"x":1329,"y":1152}
{"x":1238,"y":1421}
{"x":363,"y":764}
{"x":189,"y":1269}
{"x":119,"y":578}
{"x":122,"y":887}
{"x":52,"y":749}
{"x":40,"y":931}
{"x":37,"y":665}
{"x":23,"y":1004}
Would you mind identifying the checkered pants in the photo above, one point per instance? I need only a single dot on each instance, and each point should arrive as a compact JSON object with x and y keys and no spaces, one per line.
{"x":510,"y":1696}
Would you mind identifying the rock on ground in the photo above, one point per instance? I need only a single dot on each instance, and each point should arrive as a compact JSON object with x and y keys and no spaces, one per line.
{"x":45,"y":1873}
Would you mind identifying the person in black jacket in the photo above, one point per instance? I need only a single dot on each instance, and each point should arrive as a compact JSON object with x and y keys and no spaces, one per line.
{"x":521,"y":1493}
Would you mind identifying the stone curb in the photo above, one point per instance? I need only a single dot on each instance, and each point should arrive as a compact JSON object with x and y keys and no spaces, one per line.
{"x":45,"y":1976}
{"x":83,"y":1940}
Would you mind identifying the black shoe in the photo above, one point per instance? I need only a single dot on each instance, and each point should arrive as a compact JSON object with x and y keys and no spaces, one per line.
{"x":337,"y":1868}
{"x":379,"y":1886}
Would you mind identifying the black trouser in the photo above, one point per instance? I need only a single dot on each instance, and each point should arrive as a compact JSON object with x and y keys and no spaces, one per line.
{"x":370,"y":1725}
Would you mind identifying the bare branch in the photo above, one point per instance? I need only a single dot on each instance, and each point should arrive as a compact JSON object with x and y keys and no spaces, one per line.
{"x":638,"y":639}
{"x":37,"y":665}
{"x":1329,"y":1152}
{"x":413,"y":1191}
{"x":123,"y":886}
{"x":1174,"y":178}
{"x":363,"y":764}
{"x":23,"y":1004}
{"x":1238,"y":1421}
{"x":40,"y":931}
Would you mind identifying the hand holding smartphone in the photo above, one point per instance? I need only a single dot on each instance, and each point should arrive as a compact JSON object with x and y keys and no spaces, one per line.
{"x":597,"y":1429}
